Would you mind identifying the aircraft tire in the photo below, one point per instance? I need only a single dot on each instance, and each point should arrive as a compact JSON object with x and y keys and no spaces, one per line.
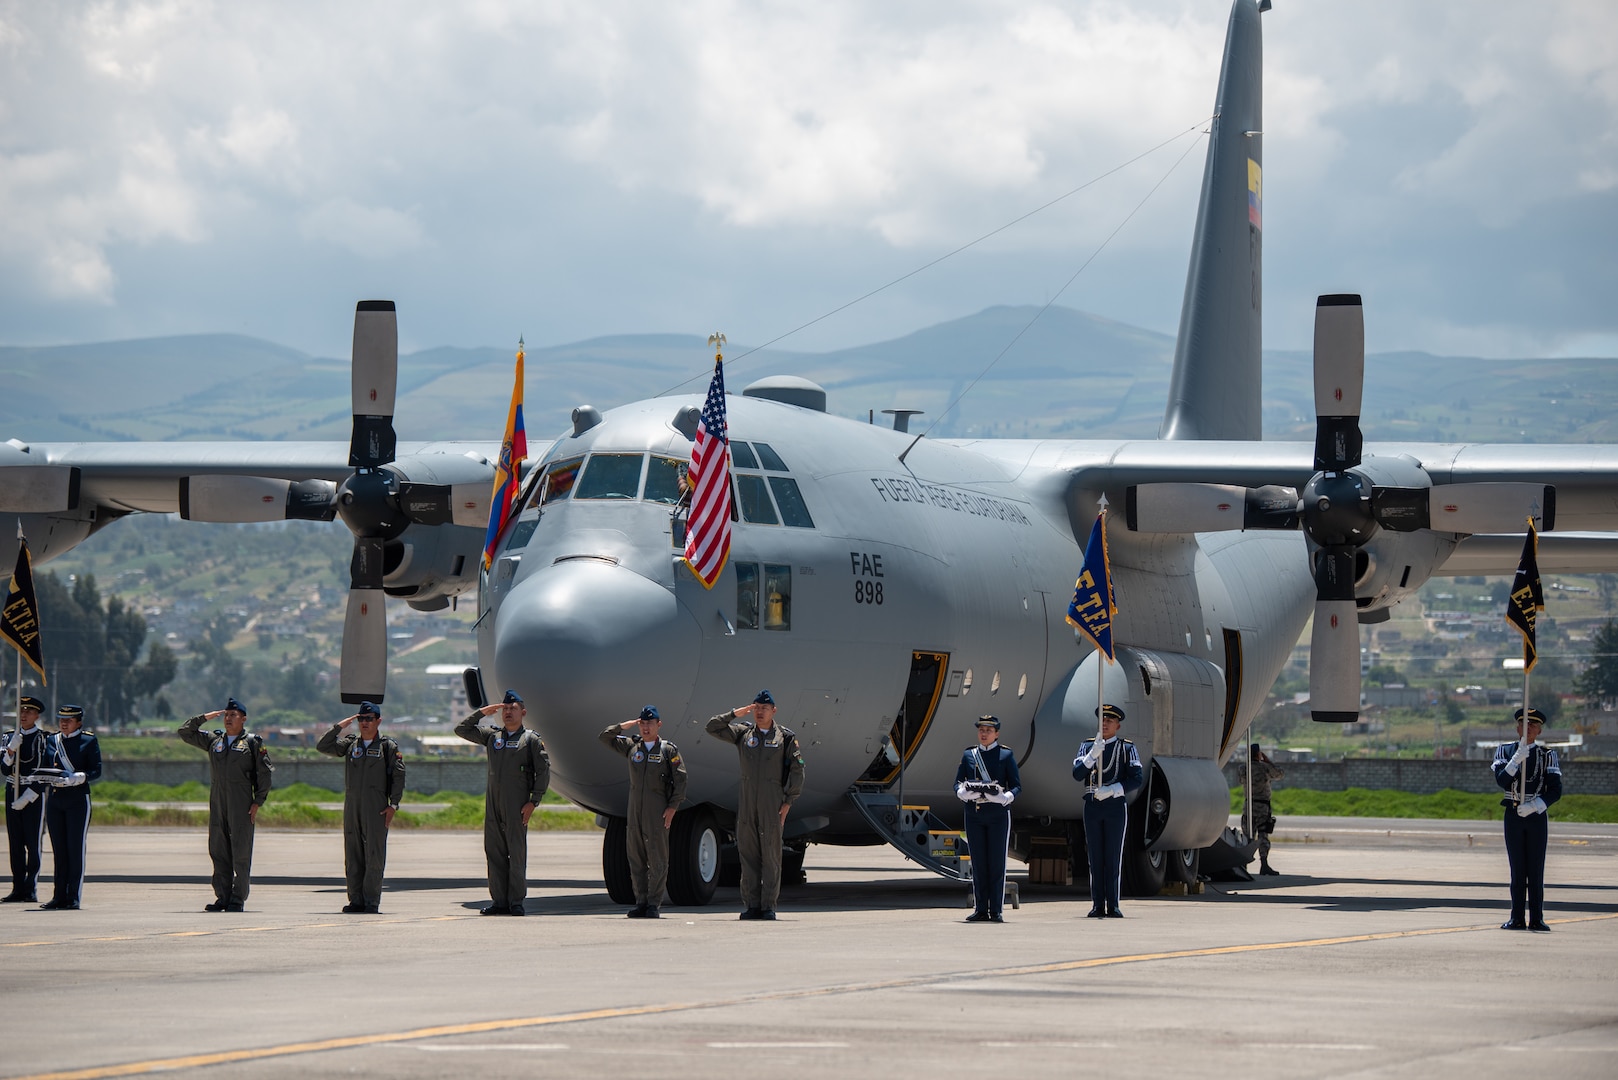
{"x":615,"y":861}
{"x":1185,"y":866}
{"x":1143,"y":871}
{"x":694,"y":844}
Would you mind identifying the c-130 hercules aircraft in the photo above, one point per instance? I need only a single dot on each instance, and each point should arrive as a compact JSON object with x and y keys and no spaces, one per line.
{"x":890,"y":590}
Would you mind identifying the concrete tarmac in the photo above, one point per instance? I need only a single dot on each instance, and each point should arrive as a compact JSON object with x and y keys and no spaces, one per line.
{"x":1377,"y":953}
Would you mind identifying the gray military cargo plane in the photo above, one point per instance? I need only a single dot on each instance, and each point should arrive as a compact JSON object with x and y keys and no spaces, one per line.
{"x":890,"y":590}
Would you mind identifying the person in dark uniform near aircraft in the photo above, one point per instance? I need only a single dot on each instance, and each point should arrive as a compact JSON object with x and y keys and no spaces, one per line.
{"x":519,"y":773}
{"x":241,"y":776}
{"x":25,"y":809}
{"x":987,"y":781}
{"x":1110,"y":770}
{"x":772,"y":777}
{"x":1264,"y":773}
{"x":373,"y":784}
{"x":1532,"y":779}
{"x":77,"y":755}
{"x":656,"y":790}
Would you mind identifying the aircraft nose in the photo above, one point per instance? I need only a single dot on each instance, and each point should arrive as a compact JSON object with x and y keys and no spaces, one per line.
{"x":587,"y":643}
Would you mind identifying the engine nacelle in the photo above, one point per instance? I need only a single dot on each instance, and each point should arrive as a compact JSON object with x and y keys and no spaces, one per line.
{"x":431,"y":563}
{"x":1394,"y":565}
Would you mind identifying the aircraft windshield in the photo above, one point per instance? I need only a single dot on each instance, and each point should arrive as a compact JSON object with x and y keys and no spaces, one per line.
{"x":663,"y":480}
{"x":770,"y":459}
{"x":790,"y":500}
{"x":610,"y":476}
{"x":755,"y":500}
{"x":741,"y":455}
{"x":559,"y":480}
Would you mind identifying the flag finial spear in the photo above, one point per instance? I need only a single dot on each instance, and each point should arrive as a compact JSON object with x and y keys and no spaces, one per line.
{"x":717,"y":340}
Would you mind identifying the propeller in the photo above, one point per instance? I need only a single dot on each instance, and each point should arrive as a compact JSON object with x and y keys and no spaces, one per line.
{"x":1347,"y":501}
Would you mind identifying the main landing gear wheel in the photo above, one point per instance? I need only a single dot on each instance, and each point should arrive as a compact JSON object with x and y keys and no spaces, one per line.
{"x":694,"y":857}
{"x":615,"y":861}
{"x":1185,"y":866}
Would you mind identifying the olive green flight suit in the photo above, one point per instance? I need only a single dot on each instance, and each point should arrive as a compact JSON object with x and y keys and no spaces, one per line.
{"x":772,"y":775}
{"x":519,"y":773}
{"x":373,"y":780}
{"x":241,"y":776}
{"x":656,"y":783}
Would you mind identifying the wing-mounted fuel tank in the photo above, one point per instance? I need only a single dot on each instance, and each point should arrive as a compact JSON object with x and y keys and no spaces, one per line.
{"x":1174,"y":708}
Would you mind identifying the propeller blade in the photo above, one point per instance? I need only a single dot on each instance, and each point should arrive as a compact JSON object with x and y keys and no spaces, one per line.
{"x":1181,"y":508}
{"x":445,"y":504}
{"x":256,"y":498}
{"x":1492,"y":508}
{"x":1339,"y":381}
{"x":39,"y":489}
{"x":1334,"y":643}
{"x":375,"y":377}
{"x":364,"y":672}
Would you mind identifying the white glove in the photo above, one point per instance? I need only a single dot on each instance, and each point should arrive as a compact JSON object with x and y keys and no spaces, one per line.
{"x":1533,"y":806}
{"x":1102,"y":792}
{"x":71,"y":780}
{"x":13,"y":742}
{"x":23,"y":800}
{"x":1089,"y":758}
{"x":1004,"y":798}
{"x":966,"y":796}
{"x":1115,"y":791}
{"x":1517,"y":759}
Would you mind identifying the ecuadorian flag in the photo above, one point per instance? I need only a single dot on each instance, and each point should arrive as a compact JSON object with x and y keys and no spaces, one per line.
{"x":513,"y":449}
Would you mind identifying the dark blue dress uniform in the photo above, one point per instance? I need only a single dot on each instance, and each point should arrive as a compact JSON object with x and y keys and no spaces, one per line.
{"x":25,"y":824}
{"x":67,"y":808}
{"x":1527,"y":834}
{"x":988,"y":823}
{"x":1115,"y":774}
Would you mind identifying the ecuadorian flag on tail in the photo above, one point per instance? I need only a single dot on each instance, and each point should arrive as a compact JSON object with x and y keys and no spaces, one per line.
{"x":1093,"y":605}
{"x":513,"y":449}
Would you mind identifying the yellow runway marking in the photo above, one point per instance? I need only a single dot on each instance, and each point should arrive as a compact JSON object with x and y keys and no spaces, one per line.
{"x":227,"y":1057}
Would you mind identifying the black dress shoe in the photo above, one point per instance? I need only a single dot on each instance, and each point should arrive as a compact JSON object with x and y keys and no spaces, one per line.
{"x":1539,"y":924}
{"x":1269,"y":871}
{"x":1513,"y":924}
{"x":217,"y":905}
{"x":767,"y":914}
{"x":997,"y":918}
{"x":18,"y":898}
{"x":751,"y":913}
{"x":516,"y":909}
{"x":371,"y":909}
{"x":977,"y":916}
{"x":353,"y":909}
{"x":493,"y":909}
{"x":1096,"y":913}
{"x":236,"y":905}
{"x":52,"y":905}
{"x":1114,"y":913}
{"x":651,"y":913}
{"x":636,"y":912}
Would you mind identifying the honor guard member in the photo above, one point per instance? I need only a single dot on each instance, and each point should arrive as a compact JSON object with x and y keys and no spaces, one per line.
{"x":987,"y":781}
{"x":656,"y":790}
{"x":1264,"y":772}
{"x":772,"y":777}
{"x":1110,"y":771}
{"x":1532,"y":779}
{"x":77,"y":757}
{"x":519,"y":773}
{"x":240,"y":777}
{"x":25,"y":804}
{"x":373,"y":784}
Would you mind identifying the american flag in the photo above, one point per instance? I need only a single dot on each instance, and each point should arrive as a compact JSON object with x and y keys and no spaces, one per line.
{"x":707,"y":533}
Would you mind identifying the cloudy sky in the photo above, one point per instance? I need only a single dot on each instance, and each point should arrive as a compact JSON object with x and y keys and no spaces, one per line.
{"x":578,"y":168}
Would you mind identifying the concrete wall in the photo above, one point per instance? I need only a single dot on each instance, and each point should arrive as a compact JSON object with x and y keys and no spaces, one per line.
{"x":423,"y":776}
{"x":1425,"y":776}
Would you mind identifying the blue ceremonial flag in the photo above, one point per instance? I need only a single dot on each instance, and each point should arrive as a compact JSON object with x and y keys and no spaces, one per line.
{"x":1093,"y":605}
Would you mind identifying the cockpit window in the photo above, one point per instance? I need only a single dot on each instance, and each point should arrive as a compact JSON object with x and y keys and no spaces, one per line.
{"x":741,"y":455}
{"x":559,"y":479}
{"x":663,"y":480}
{"x":790,"y":500}
{"x":755,"y":500}
{"x":772,"y":461}
{"x":610,"y":476}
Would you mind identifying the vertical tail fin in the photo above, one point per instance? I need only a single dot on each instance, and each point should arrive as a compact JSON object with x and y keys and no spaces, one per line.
{"x":1216,"y":391}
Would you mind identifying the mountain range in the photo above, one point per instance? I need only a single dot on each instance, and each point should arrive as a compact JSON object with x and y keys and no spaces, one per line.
{"x":1064,"y":374}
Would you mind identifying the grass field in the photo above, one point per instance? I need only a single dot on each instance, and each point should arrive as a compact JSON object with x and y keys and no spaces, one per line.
{"x":1449,"y":804}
